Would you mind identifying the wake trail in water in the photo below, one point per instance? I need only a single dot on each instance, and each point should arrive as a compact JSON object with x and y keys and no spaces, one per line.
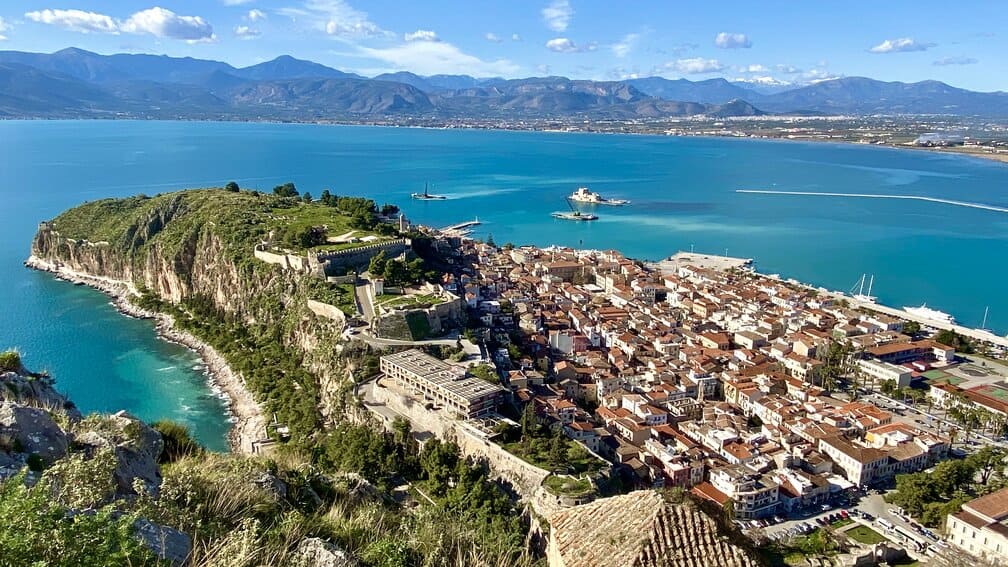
{"x":871,"y":196}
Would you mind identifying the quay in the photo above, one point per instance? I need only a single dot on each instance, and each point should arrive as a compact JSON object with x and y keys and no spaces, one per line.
{"x":707,"y":261}
{"x":459,"y":229}
{"x":978,"y":334}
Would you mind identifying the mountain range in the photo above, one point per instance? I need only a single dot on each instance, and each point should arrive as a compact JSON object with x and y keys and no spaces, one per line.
{"x":78,"y":83}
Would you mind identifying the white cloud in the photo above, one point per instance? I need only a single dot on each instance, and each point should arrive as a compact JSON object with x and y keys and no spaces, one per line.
{"x":421,"y":35}
{"x":515,"y":37}
{"x":255,"y":15}
{"x":902,"y":44}
{"x":695,"y":65}
{"x":727,"y":40}
{"x":4,"y":26}
{"x":335,"y":17}
{"x":544,"y":69}
{"x":245,"y":32}
{"x":623,"y":47}
{"x":76,"y":20}
{"x":437,"y":57}
{"x":558,"y":15}
{"x":156,"y":21}
{"x":237,"y":2}
{"x":754,"y":68}
{"x":959,"y":60}
{"x":491,"y":36}
{"x":163,"y":23}
{"x":788,"y":69}
{"x":565,"y":45}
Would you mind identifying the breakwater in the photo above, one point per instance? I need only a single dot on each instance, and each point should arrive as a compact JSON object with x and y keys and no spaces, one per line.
{"x":875,"y":196}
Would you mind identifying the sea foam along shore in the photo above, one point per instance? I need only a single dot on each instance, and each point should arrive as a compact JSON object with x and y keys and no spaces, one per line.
{"x":249,"y":431}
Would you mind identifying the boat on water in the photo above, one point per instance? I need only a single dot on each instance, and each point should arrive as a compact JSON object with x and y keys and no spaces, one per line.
{"x":585,"y":195}
{"x":574,"y":215}
{"x":426,"y":196}
{"x":861,"y":295}
{"x":926,"y":312}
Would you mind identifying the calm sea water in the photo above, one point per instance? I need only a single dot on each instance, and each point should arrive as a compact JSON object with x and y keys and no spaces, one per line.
{"x":683,"y":193}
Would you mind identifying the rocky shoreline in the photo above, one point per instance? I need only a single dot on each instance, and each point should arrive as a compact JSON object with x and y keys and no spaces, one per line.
{"x":249,"y":431}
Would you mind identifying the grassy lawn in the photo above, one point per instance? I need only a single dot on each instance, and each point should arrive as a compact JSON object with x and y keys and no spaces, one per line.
{"x":306,"y":215}
{"x":841,"y":523}
{"x":340,"y":295}
{"x":568,"y":485}
{"x":865,"y":535}
{"x":817,"y":543}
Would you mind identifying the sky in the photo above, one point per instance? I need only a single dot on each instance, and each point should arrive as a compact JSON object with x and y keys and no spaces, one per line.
{"x":769,"y":42}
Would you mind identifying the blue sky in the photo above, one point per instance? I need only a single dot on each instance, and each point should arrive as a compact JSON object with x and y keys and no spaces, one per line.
{"x":768,"y":41}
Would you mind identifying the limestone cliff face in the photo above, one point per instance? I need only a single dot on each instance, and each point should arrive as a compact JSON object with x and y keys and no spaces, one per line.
{"x":150,"y":254}
{"x":199,"y":266}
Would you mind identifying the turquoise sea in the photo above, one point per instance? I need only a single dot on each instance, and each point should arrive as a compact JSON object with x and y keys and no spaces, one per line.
{"x":683,"y":192}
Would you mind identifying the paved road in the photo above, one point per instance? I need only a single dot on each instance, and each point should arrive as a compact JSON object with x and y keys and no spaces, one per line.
{"x":363,"y":294}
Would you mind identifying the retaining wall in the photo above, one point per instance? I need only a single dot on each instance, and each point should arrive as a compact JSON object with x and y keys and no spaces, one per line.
{"x":523,"y":477}
{"x":328,"y":311}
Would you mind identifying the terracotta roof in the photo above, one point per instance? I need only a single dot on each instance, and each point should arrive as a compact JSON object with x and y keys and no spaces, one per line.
{"x":993,"y":505}
{"x":643,"y":530}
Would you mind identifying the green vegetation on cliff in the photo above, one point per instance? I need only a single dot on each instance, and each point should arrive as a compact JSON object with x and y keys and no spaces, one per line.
{"x":241,"y":219}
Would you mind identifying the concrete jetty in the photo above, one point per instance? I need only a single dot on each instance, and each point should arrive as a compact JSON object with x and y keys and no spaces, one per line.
{"x":709,"y":261}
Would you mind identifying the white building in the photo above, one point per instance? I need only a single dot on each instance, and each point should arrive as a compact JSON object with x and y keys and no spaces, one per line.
{"x":885,"y":372}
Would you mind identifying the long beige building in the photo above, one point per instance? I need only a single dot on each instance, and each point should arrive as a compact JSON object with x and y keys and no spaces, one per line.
{"x":441,"y":383}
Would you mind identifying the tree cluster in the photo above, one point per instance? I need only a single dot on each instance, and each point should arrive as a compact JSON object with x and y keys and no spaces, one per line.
{"x":931,"y":496}
{"x":398,"y":273}
{"x":286,"y":190}
{"x":953,"y":339}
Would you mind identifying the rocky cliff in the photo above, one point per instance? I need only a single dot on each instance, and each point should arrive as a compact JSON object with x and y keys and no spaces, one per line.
{"x":193,"y":251}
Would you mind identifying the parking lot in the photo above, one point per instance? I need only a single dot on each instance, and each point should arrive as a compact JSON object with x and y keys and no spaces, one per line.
{"x":871,"y":511}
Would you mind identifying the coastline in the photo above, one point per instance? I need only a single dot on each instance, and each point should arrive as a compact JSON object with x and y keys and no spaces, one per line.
{"x":249,"y":430}
{"x":1001,"y":158}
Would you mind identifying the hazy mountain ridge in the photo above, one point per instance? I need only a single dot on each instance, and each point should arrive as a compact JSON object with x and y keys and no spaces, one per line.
{"x":75,"y":82}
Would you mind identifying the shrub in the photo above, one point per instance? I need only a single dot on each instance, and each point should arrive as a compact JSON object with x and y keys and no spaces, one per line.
{"x":35,"y":530}
{"x":10,"y":361}
{"x":178,"y":442}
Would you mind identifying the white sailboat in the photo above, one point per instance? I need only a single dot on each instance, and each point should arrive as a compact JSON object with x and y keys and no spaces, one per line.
{"x":861,"y":295}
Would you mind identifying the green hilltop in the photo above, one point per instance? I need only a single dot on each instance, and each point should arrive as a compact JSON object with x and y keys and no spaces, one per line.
{"x":241,"y":218}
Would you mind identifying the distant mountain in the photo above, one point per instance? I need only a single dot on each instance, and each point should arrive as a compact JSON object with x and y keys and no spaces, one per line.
{"x":319,"y":97}
{"x":710,"y":91}
{"x":407,"y":78}
{"x":765,"y":88}
{"x":434,"y":83}
{"x":860,"y":95}
{"x":26,"y":90}
{"x":287,"y":67}
{"x":75,"y":82}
